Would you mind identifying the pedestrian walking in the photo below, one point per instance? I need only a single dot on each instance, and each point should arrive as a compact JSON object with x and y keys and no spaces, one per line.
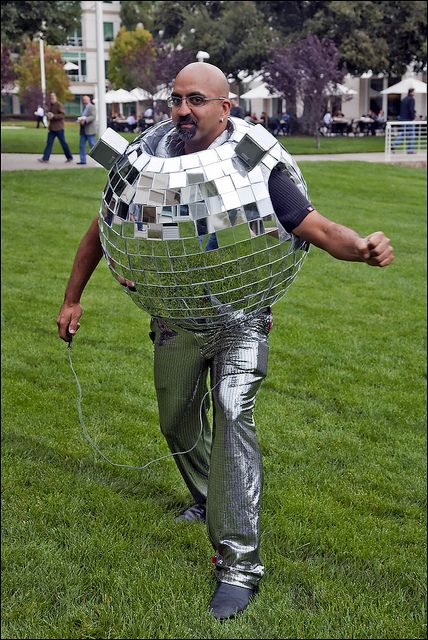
{"x":56,"y":116}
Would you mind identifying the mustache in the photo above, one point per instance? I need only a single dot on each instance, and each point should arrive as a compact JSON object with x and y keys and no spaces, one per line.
{"x":186,"y":120}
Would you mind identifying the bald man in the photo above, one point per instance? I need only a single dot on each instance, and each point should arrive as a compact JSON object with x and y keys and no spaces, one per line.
{"x":222,"y":468}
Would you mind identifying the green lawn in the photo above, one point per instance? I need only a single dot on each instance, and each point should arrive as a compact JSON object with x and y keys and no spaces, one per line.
{"x":92,"y":551}
{"x":28,"y":139}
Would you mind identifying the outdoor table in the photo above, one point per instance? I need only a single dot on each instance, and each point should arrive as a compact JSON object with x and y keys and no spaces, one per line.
{"x":339,"y":125}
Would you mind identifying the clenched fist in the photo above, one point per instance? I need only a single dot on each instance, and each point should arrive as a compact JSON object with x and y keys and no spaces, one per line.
{"x":376,"y":250}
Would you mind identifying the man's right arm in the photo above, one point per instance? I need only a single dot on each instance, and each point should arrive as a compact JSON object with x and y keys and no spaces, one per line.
{"x":87,"y":258}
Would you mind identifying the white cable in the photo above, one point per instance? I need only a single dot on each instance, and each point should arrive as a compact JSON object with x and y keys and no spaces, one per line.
{"x":94,"y":444}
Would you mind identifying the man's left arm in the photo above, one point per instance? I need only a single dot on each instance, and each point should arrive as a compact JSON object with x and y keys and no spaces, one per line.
{"x":91,"y":115}
{"x":344,"y":243}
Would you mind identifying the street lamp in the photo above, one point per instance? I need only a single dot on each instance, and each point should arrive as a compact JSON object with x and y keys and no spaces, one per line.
{"x":42,"y":62}
{"x":101,"y":79}
{"x":202,"y":55}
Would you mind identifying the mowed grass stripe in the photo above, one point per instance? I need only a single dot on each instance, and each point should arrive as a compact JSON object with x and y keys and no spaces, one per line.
{"x":92,"y":551}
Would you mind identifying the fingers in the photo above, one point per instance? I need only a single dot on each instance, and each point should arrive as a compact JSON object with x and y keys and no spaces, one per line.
{"x":126,"y":283}
{"x":68,"y":321}
{"x":377,"y":251}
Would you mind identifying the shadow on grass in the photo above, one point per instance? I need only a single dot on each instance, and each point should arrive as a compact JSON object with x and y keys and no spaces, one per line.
{"x":151,"y":488}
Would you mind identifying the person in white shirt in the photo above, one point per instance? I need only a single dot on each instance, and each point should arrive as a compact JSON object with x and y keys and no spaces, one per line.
{"x":39,"y":113}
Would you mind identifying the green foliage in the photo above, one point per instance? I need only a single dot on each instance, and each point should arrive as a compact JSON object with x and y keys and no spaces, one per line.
{"x":21,"y":20}
{"x":382,"y":36}
{"x":92,"y":551}
{"x":131,"y":57}
{"x":139,"y":12}
{"x":236,"y":36}
{"x":28,"y":70}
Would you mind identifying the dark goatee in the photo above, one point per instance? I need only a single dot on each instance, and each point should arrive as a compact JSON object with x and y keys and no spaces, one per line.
{"x":185,"y":134}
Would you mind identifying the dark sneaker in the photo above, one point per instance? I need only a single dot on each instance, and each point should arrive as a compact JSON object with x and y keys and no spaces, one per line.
{"x":69,"y":160}
{"x":80,"y":162}
{"x":194,"y":513}
{"x":42,"y":160}
{"x":229,"y":600}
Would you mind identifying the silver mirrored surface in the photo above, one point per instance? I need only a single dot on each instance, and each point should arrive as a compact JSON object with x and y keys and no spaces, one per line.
{"x":197,"y":233}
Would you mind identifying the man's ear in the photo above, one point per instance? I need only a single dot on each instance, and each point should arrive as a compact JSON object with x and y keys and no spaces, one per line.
{"x":226,"y":108}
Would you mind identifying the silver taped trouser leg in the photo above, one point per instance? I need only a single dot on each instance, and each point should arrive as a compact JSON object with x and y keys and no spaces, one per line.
{"x":225,"y":468}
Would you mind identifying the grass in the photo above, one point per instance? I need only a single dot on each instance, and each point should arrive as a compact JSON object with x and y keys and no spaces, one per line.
{"x":92,"y":551}
{"x":28,"y":139}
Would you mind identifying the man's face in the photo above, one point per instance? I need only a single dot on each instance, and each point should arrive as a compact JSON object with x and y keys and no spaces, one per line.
{"x":53,"y":98}
{"x":85,"y":100}
{"x":198,"y":125}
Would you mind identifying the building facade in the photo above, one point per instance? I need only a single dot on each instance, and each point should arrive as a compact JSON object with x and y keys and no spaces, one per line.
{"x":81,"y":52}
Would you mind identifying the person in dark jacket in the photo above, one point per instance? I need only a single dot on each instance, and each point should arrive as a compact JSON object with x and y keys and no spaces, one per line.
{"x":407,"y":131}
{"x":56,"y":115}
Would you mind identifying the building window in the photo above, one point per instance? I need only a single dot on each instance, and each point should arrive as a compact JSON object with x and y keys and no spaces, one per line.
{"x":74,"y":39}
{"x":106,"y":67}
{"x":108,"y":31}
{"x":77,"y":70}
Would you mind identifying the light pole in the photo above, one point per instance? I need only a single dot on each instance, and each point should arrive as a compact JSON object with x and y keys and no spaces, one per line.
{"x":202,"y":55}
{"x":101,"y":80}
{"x":42,"y":62}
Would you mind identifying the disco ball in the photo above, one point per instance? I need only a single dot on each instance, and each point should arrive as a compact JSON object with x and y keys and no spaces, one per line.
{"x":196,"y":234}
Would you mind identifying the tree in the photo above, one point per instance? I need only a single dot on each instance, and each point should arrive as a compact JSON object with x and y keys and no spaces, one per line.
{"x":24,"y":19}
{"x":135,"y":13}
{"x":382,"y":36}
{"x":28,"y":71}
{"x":8,"y":73}
{"x":289,"y":17}
{"x":169,"y":60}
{"x":303,"y":71}
{"x":131,"y":58}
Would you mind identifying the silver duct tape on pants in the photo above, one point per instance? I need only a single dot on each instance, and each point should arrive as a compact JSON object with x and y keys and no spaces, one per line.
{"x":225,"y":468}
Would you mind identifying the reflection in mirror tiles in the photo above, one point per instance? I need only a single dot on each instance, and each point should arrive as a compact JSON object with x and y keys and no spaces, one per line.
{"x":197,"y":233}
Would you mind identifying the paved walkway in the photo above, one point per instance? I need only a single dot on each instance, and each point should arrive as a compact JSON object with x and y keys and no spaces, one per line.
{"x":19,"y":161}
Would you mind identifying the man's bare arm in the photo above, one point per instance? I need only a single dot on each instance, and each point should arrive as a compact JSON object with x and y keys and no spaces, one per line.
{"x":87,"y":258}
{"x":344,"y":243}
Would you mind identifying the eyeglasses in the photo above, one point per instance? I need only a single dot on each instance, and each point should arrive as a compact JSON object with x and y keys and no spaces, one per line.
{"x":194,"y":101}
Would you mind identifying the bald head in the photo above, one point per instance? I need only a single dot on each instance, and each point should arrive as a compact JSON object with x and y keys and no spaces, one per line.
{"x":207,"y":76}
{"x":201,"y":114}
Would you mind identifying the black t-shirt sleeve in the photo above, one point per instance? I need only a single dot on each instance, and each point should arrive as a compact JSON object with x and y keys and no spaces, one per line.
{"x":289,"y":204}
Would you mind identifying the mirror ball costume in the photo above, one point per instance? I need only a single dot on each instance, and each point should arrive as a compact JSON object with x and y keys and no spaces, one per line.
{"x":198,"y":237}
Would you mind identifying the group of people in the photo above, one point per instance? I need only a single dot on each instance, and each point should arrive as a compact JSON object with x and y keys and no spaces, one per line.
{"x":134,"y":125}
{"x":368,"y":124}
{"x":56,"y":128}
{"x":224,"y":472}
{"x":279,"y":124}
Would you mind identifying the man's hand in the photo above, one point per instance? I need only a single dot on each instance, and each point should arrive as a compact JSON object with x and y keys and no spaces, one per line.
{"x":68,"y":320}
{"x":375,"y":250}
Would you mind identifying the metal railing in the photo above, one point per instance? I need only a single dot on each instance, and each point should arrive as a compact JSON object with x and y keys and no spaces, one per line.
{"x":405,"y":137}
{"x":75,"y":41}
{"x":77,"y":78}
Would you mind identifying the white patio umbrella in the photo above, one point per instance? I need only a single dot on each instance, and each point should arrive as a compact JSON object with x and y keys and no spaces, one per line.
{"x":405,"y":85}
{"x":162,"y":94}
{"x":70,"y":66}
{"x":141,"y":94}
{"x":232,"y":95}
{"x":261,"y":91}
{"x":339,"y":90}
{"x":119,"y":96}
